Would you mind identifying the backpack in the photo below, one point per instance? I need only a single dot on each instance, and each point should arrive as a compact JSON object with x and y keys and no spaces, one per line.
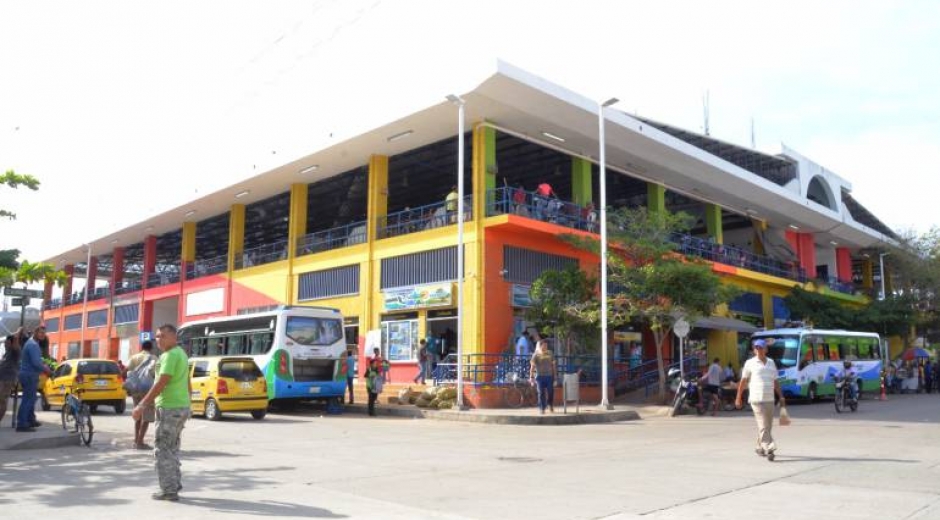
{"x":140,"y":380}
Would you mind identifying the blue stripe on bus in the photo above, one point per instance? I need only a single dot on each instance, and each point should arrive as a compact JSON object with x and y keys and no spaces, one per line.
{"x":308,"y":390}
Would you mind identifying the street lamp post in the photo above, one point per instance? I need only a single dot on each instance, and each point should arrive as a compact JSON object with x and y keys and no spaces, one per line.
{"x":457,"y":100}
{"x":85,"y":300}
{"x":602,"y":159}
{"x":881,"y":273}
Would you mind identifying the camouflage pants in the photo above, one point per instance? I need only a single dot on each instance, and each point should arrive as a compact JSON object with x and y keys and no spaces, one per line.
{"x":170,"y":422}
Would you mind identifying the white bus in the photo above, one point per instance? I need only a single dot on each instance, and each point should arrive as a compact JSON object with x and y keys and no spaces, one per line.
{"x":301,"y":350}
{"x":808,"y":360}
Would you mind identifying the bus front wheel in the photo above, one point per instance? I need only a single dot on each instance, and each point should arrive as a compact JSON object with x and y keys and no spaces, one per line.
{"x":811,"y":393}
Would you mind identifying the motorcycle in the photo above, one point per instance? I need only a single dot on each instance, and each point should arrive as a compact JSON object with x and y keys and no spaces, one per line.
{"x":687,"y":393}
{"x":844,"y":394}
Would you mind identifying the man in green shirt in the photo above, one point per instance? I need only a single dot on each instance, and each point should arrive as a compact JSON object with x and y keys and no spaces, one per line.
{"x":170,"y":393}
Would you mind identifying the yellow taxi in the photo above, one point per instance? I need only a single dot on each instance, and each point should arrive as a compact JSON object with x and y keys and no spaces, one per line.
{"x":223,"y":384}
{"x":99,"y":379}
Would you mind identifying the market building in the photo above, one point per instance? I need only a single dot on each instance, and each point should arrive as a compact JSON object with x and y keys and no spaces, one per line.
{"x":368,"y":226}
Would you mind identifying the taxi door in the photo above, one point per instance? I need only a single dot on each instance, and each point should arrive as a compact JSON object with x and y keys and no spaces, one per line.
{"x":199,"y":377}
{"x":58,"y":383}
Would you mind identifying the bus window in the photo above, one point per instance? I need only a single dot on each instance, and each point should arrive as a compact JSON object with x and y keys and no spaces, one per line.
{"x":216,"y":347}
{"x":821,"y":352}
{"x":848,"y":348}
{"x":260,"y":343}
{"x":833,"y":350}
{"x":806,"y":354}
{"x":236,"y":344}
{"x":314,"y":331}
{"x":868,"y":348}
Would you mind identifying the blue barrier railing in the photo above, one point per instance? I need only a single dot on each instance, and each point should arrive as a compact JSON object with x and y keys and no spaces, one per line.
{"x":333,"y":238}
{"x":128,"y":287}
{"x":497,"y":369}
{"x":430,"y":216}
{"x":54,"y":303}
{"x":652,"y":378}
{"x":838,"y":285}
{"x":261,"y":255}
{"x":206,"y":267}
{"x":99,"y":294}
{"x":516,"y":201}
{"x":736,"y":256}
{"x":163,"y":278}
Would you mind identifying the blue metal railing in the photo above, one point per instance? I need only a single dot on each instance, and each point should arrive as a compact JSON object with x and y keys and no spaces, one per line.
{"x":430,"y":216}
{"x":128,"y":287}
{"x":261,"y":255}
{"x":333,"y":238}
{"x":652,"y":377}
{"x":499,"y":369}
{"x":76,"y":297}
{"x":838,"y":285}
{"x":731,"y":255}
{"x":516,"y":201}
{"x":209,"y":266}
{"x":99,"y":293}
{"x":162,"y":278}
{"x":54,"y":303}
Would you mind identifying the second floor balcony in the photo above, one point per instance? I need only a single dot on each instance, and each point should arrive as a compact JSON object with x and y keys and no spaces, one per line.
{"x":162,"y":278}
{"x":529,"y":204}
{"x":430,"y":216}
{"x":730,"y":255}
{"x":333,"y":238}
{"x":206,"y":267}
{"x":264,"y":254}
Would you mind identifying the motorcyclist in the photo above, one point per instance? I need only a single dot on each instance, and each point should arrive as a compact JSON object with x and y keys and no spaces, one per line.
{"x":848,"y":375}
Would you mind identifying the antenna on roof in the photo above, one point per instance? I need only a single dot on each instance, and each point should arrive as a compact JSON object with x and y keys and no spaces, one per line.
{"x":753,"y":138}
{"x":706,"y":109}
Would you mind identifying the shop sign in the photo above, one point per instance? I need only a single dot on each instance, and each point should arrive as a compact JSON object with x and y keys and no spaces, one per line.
{"x":520,"y":295}
{"x":438,"y":295}
{"x":623,"y":336}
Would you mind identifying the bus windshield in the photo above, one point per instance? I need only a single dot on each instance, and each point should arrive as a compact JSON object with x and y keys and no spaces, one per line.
{"x":783,"y":349}
{"x":307,"y":330}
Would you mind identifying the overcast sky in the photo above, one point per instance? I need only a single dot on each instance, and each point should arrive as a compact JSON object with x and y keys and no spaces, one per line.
{"x":126,"y":109}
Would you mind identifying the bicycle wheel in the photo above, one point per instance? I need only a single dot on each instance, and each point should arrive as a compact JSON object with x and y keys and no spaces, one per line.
{"x":513,"y":397}
{"x":85,"y":428}
{"x":69,"y":423}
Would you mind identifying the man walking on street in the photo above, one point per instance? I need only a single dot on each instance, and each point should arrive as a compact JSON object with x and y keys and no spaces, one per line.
{"x":759,"y":375}
{"x":31,"y":366}
{"x":350,"y":374}
{"x":170,"y":394}
{"x":142,"y":367}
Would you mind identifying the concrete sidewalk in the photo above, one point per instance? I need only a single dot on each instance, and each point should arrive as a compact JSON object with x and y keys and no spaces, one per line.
{"x":522,"y":416}
{"x":45,"y":437}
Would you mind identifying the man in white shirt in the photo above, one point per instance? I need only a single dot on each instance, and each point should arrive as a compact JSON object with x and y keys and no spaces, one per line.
{"x":759,"y":375}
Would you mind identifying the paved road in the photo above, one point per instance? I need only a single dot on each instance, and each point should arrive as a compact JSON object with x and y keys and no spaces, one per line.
{"x":880,"y":463}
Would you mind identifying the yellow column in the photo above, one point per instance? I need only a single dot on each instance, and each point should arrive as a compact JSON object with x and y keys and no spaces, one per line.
{"x":767,"y":304}
{"x":868,"y":270}
{"x":474,"y":297}
{"x":236,"y":234}
{"x":760,"y":227}
{"x":296,"y":228}
{"x":188,"y":253}
{"x":377,"y":200}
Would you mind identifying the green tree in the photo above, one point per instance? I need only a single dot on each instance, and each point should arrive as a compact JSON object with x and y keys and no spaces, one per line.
{"x":29,"y":273}
{"x":14,"y":180}
{"x":818,"y":310}
{"x":649,"y":282}
{"x":554,"y":294}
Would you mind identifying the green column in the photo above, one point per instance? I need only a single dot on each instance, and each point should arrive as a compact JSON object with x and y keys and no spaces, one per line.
{"x":489,"y":165}
{"x":713,"y":222}
{"x":581,"y":186}
{"x":655,"y":198}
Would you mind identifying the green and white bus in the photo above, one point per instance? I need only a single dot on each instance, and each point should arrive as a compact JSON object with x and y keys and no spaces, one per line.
{"x":809,"y":360}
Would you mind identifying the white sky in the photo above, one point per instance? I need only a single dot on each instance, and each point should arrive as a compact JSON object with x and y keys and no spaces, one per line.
{"x":127,"y":109}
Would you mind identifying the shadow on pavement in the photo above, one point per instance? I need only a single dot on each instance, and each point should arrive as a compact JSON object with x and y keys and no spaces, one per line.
{"x":107,"y":476}
{"x":258,"y":508}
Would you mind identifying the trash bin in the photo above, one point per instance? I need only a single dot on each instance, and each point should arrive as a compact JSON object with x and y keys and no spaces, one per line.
{"x":570,"y":391}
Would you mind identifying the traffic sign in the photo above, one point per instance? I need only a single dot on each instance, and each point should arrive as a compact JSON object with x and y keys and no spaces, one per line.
{"x":23,"y":293}
{"x":681,"y":328}
{"x":18,"y":302}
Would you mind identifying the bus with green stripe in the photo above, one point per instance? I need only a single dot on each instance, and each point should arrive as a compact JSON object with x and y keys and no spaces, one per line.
{"x":301,"y":350}
{"x":809,"y":360}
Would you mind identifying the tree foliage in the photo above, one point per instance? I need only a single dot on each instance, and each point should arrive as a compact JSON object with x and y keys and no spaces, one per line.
{"x":14,"y":180}
{"x":649,"y":282}
{"x":892,"y":316}
{"x":554,"y":295}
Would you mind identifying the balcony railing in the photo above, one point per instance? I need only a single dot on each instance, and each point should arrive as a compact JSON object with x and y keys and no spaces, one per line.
{"x":262,"y":255}
{"x":209,"y":266}
{"x":736,"y":256}
{"x":164,"y":278}
{"x":333,"y":238}
{"x":54,"y":303}
{"x":76,"y":297}
{"x":99,"y":293}
{"x":516,"y":201}
{"x":412,"y":220}
{"x":128,"y":286}
{"x":839,"y":286}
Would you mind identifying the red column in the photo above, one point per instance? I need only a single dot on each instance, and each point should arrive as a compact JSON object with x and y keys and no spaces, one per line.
{"x":844,"y":264}
{"x":117,"y":268}
{"x":91,"y":275}
{"x":150,"y":256}
{"x":807,"y":253}
{"x":47,"y":292}
{"x":67,"y":288}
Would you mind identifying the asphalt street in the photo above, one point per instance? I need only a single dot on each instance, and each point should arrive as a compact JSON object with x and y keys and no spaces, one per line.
{"x":882,"y":462}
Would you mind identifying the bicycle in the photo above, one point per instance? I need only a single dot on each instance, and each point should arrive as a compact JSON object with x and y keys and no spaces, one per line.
{"x":520,"y":392}
{"x":76,"y":417}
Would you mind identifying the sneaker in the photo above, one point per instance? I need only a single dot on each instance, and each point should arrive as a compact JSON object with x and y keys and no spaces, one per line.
{"x":760,"y":452}
{"x":36,"y":424}
{"x":172,"y":497}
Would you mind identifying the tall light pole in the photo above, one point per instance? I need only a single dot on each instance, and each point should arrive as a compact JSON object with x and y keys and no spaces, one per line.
{"x":85,"y":301}
{"x":605,"y":402}
{"x":457,"y":100}
{"x":881,"y":272}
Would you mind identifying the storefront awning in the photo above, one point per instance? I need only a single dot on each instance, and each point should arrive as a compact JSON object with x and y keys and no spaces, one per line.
{"x":720,"y":323}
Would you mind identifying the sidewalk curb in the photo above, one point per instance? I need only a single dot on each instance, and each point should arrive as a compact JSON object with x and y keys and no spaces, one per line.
{"x":557,"y":419}
{"x":60,"y":440}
